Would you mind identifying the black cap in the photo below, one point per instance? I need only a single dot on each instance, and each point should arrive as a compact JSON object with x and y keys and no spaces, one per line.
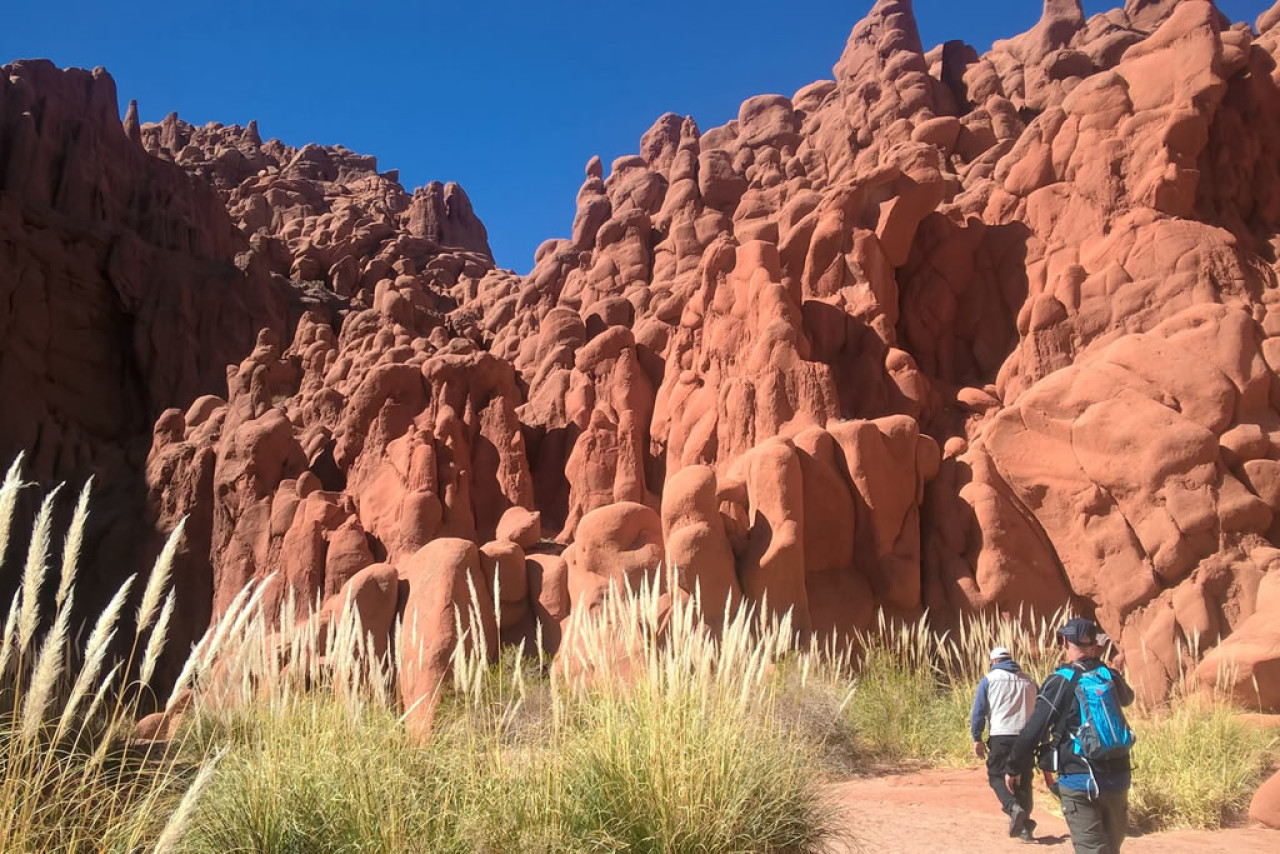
{"x":1080,"y":631}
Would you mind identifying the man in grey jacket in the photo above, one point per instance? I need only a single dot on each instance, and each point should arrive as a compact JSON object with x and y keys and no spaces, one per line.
{"x":1005,"y":700}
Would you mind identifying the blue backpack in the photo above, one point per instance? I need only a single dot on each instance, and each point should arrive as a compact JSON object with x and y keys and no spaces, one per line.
{"x":1104,"y":733}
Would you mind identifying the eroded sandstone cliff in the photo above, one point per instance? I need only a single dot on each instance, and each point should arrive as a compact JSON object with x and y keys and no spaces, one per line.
{"x":946,"y":331}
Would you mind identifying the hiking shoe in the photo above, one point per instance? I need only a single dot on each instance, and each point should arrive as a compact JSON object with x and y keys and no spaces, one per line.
{"x":1026,"y":835}
{"x":1017,"y":820}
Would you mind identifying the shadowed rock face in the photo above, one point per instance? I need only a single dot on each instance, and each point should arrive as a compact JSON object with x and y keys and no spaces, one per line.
{"x":124,"y":288}
{"x":128,"y":284}
{"x":121,"y":290}
{"x":947,"y":331}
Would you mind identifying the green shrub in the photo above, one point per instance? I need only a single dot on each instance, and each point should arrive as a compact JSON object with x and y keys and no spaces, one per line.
{"x":1196,"y":765}
{"x":901,"y":713}
{"x":681,"y":752}
{"x":655,"y":770}
{"x":314,"y":777}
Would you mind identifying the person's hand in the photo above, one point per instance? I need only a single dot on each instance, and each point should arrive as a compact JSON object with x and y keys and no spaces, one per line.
{"x":1012,"y":781}
{"x":1050,"y":779}
{"x":979,"y":750}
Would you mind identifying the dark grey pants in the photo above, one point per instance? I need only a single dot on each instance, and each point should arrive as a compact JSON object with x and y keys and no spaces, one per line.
{"x":998,"y":748}
{"x":1097,"y":824}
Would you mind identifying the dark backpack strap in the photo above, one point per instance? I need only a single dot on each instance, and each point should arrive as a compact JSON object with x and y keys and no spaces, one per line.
{"x":1061,"y":715}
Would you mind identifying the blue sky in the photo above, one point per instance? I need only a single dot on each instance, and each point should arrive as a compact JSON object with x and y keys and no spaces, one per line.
{"x":508,"y":98}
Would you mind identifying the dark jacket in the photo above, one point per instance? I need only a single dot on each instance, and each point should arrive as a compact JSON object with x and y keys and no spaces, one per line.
{"x":1056,"y":711}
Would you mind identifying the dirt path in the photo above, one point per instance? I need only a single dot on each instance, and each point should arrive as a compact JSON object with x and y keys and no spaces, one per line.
{"x":954,"y":812}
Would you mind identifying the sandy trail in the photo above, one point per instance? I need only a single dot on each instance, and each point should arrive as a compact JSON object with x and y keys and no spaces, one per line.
{"x":952,"y":811}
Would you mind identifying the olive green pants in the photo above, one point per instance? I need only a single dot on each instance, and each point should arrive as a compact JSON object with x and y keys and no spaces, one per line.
{"x":1097,"y":824}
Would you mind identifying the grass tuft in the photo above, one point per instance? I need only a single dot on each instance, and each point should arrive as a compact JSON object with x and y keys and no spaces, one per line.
{"x":1197,"y":764}
{"x":71,"y":780}
{"x":670,"y":743}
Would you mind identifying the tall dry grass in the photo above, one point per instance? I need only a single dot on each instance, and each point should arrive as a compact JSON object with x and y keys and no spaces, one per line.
{"x":1197,"y":764}
{"x":70,"y":780}
{"x":676,"y":735}
{"x":651,"y":733}
{"x":669,"y":741}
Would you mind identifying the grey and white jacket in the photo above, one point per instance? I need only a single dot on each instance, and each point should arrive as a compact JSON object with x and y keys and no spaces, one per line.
{"x":1005,"y":700}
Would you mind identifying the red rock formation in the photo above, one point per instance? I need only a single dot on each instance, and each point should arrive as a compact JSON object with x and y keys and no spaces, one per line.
{"x":947,"y":331}
{"x":1265,"y":806}
{"x":129,"y":284}
{"x":125,"y":286}
{"x":1041,"y":258}
{"x":696,"y":543}
{"x":443,"y":584}
{"x":326,"y":214}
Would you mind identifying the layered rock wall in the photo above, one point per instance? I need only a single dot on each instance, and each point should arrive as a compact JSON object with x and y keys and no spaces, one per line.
{"x":947,"y":331}
{"x":138,"y":262}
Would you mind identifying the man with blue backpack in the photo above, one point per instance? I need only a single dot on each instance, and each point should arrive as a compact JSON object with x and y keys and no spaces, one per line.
{"x":1079,"y":712}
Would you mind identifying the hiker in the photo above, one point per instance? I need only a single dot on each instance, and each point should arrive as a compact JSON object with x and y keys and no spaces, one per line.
{"x":1004,"y":703}
{"x":1079,"y":713}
